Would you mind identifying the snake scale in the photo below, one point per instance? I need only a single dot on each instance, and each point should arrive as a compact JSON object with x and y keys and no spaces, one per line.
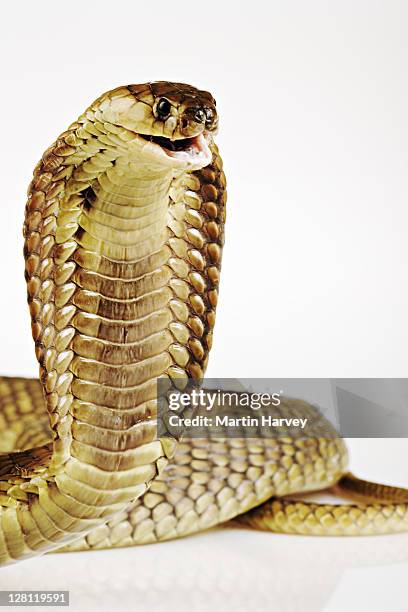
{"x":124,"y":228}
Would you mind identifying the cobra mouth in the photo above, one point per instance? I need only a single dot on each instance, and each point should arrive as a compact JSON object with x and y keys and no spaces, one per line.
{"x":192,"y":150}
{"x":171,"y":145}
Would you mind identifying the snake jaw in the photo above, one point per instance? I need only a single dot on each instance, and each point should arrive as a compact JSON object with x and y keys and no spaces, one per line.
{"x":193,"y":153}
{"x":196,"y":149}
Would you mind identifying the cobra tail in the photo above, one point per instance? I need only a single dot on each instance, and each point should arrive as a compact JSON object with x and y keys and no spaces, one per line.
{"x":381,"y":509}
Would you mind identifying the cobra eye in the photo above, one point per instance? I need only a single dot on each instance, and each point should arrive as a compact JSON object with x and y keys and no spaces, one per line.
{"x":163,"y":109}
{"x":199,"y":115}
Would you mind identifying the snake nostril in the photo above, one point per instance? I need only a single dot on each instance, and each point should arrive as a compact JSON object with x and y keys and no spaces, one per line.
{"x":210,"y":118}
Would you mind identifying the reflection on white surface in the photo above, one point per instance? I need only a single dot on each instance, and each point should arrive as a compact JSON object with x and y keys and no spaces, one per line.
{"x":240,"y":569}
{"x":221,"y":570}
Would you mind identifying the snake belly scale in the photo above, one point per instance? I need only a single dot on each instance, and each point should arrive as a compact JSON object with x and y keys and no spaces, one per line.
{"x":124,"y":229}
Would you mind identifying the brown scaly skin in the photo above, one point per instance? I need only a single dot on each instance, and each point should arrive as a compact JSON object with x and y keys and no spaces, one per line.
{"x":123,"y":244}
{"x":117,"y":298}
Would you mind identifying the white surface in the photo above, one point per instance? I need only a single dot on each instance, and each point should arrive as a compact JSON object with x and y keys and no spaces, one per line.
{"x":313,"y":98}
{"x":237,"y":569}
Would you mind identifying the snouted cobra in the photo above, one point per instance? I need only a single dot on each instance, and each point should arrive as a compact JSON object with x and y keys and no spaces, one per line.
{"x":123,"y":231}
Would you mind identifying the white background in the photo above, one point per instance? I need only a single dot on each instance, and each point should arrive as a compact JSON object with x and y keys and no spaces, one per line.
{"x":313,"y":101}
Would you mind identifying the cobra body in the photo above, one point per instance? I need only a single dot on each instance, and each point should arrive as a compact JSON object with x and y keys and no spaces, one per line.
{"x":123,"y":237}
